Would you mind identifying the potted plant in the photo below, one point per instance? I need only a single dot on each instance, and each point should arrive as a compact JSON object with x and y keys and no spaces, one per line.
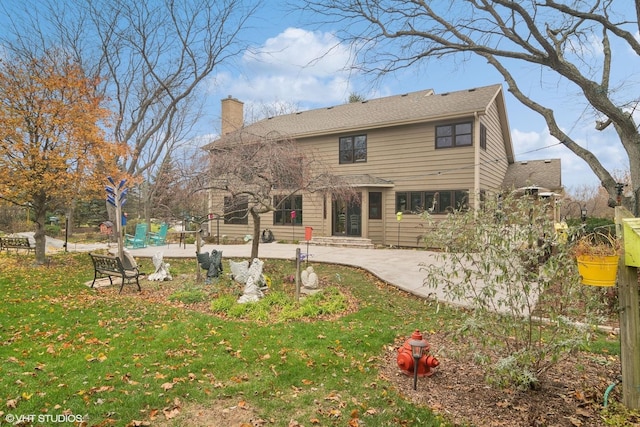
{"x":597,"y":255}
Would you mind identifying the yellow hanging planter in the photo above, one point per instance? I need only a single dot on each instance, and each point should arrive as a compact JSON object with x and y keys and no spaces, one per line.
{"x":597,"y":255}
{"x":598,"y":270}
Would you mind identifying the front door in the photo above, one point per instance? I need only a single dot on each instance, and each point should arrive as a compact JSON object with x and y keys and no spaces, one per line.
{"x":347,"y":217}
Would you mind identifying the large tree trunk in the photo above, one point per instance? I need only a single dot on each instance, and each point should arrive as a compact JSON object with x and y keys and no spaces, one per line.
{"x":40,"y":212}
{"x":256,"y":233}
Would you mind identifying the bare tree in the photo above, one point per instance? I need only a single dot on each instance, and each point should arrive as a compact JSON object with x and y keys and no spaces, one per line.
{"x":153,"y":58}
{"x":176,"y":194}
{"x":264,"y":172}
{"x":557,"y":38}
{"x":255,"y":112}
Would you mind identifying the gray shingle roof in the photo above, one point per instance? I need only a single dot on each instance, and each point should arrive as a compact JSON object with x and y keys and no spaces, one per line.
{"x":534,"y":173}
{"x":413,"y":107}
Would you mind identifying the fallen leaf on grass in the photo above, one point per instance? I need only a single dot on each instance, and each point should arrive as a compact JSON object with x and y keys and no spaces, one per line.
{"x":332,"y":396}
{"x":171,"y":412}
{"x":335,"y":413}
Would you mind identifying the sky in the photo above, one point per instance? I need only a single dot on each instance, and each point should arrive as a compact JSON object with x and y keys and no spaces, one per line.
{"x":303,"y":66}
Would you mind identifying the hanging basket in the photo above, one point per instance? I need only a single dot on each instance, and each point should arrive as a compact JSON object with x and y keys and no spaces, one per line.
{"x":598,"y":270}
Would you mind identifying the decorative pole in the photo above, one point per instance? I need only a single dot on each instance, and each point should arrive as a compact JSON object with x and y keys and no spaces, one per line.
{"x":293,"y":226}
{"x":628,"y":231}
{"x":117,"y":197}
{"x":297,"y":274}
{"x":399,"y":218}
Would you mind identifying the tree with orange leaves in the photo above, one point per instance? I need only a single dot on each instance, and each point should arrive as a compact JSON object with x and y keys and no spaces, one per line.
{"x":52,"y":145}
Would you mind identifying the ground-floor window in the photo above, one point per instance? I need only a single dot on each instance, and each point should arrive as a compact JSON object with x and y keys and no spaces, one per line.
{"x":236,"y":210}
{"x":288,"y":210}
{"x":436,"y":202}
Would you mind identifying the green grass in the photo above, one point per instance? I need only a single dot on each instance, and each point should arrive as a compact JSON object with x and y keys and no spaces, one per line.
{"x":66,"y":348}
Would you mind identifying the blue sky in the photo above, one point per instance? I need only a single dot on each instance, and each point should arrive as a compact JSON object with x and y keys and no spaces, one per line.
{"x":283,"y":67}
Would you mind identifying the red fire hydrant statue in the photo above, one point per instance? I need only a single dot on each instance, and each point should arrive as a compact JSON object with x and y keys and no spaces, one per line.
{"x":426,"y":362}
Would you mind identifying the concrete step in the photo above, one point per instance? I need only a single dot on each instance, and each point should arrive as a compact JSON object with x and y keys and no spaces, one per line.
{"x":342,"y":241}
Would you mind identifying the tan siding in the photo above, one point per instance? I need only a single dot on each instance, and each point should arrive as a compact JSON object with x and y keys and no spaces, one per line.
{"x":376,"y":231}
{"x":404,"y":155}
{"x":492,"y":172}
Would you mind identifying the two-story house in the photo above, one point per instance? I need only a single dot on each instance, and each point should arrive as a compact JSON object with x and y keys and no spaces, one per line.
{"x":405,"y":153}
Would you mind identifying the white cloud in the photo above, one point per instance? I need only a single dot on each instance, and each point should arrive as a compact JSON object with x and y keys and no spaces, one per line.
{"x":297,"y":66}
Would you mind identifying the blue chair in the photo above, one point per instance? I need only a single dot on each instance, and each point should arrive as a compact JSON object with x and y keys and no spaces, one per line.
{"x":139,"y":240}
{"x":160,"y":237}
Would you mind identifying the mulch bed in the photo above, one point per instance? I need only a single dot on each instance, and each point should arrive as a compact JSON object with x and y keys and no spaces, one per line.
{"x":569,"y":394}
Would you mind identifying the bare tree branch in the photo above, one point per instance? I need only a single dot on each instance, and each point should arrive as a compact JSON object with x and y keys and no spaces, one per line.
{"x":265,"y":171}
{"x":559,"y":38}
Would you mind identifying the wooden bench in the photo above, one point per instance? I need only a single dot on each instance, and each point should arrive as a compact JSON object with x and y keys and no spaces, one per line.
{"x":16,"y":243}
{"x":111,"y":266}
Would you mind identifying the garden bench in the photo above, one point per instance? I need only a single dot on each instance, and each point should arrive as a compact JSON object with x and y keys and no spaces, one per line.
{"x":111,"y":266}
{"x":16,"y":243}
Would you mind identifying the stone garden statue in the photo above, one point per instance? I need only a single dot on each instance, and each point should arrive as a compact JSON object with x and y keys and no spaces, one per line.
{"x":309,"y":278}
{"x":212,"y":263}
{"x":252,"y":292}
{"x":253,"y":278}
{"x":239,"y":271}
{"x":162,"y":269}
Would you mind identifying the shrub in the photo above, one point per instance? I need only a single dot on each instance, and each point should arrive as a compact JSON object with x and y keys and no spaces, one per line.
{"x":52,"y":230}
{"x":223,"y":303}
{"x":188,"y":295}
{"x":504,"y":262}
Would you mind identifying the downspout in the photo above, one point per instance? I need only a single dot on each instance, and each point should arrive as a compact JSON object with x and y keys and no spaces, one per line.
{"x":476,"y":163}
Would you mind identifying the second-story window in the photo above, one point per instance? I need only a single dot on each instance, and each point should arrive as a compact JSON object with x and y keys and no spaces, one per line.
{"x":454,"y":135}
{"x":353,"y":149}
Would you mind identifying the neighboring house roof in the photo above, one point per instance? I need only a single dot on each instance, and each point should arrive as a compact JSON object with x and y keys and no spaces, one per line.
{"x":544,"y":174}
{"x":414,"y":107}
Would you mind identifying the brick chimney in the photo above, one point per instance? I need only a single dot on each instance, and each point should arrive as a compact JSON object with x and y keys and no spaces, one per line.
{"x":232,"y":115}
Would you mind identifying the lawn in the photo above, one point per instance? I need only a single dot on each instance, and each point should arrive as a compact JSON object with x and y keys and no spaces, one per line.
{"x":164,"y":358}
{"x":122,"y":360}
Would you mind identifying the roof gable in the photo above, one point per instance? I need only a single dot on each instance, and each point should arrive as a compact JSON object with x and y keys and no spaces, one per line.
{"x":534,"y":173}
